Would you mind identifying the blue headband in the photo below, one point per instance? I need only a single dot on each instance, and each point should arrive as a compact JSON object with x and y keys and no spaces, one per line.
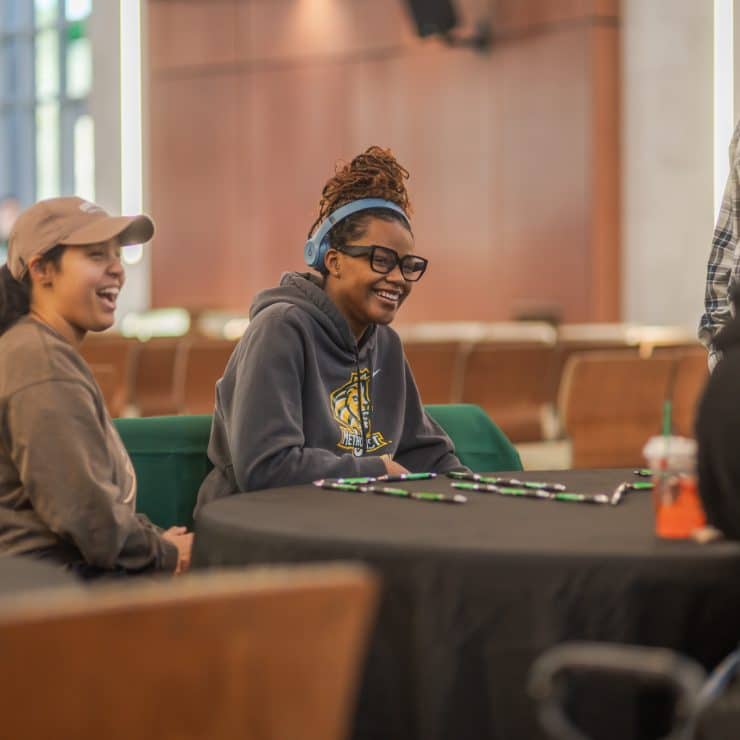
{"x":318,"y":244}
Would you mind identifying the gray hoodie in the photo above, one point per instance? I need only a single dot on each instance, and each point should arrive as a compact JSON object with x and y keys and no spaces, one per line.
{"x":300,"y":400}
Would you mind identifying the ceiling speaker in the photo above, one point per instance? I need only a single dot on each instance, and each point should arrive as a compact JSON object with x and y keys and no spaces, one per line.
{"x":432,"y":16}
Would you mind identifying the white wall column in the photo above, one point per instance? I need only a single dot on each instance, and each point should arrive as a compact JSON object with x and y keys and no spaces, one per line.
{"x":667,"y":158}
{"x":110,"y":126}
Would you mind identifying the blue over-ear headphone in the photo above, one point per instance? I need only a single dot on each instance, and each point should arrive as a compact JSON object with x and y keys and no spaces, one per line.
{"x":318,"y":244}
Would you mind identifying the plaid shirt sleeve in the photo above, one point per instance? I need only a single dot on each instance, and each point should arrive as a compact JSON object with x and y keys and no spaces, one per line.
{"x":723,"y":267}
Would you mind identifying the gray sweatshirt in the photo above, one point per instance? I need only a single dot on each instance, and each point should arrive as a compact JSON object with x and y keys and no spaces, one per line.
{"x":67,"y":486}
{"x":300,"y":400}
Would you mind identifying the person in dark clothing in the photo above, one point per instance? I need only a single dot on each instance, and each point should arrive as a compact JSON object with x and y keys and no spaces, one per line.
{"x":718,"y":433}
{"x":318,"y":386}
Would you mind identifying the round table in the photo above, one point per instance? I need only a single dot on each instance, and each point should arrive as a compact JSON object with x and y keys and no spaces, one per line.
{"x":472,"y":593}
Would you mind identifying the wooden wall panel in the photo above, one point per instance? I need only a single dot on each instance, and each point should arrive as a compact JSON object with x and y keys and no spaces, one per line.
{"x":287,"y":31}
{"x":293,"y":122}
{"x":605,"y":172}
{"x":192,"y":34}
{"x":194,"y":192}
{"x":513,"y":154}
{"x":449,"y":174}
{"x":514,"y":15}
{"x":540,"y":193}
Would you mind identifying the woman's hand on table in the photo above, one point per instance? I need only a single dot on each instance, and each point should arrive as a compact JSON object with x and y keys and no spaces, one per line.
{"x":183,"y":541}
{"x":392,"y":467}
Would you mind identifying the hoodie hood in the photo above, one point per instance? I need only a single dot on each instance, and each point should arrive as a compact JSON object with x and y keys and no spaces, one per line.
{"x":305,"y":290}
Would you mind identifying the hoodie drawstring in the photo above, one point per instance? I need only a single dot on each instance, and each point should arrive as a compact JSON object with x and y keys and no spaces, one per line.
{"x":359,"y":402}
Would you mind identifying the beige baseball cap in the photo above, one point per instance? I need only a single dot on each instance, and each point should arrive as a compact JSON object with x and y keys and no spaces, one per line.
{"x":69,"y":221}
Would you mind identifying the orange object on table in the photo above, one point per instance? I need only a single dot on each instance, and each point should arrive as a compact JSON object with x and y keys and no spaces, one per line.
{"x":678,"y":515}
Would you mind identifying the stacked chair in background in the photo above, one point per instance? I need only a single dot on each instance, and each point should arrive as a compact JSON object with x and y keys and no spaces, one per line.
{"x":161,"y":376}
{"x":690,"y":376}
{"x":600,"y":386}
{"x":154,"y":387}
{"x":506,"y":368}
{"x":201,"y":364}
{"x":610,"y":403}
{"x":112,"y":359}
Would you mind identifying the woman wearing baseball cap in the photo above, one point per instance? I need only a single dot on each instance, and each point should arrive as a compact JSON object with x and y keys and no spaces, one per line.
{"x":67,"y":486}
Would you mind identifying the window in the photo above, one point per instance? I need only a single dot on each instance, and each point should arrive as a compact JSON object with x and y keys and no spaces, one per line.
{"x":46,"y":133}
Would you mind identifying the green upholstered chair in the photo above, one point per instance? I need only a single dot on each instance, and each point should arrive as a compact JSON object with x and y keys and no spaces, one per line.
{"x":479,"y":443}
{"x":169,"y":456}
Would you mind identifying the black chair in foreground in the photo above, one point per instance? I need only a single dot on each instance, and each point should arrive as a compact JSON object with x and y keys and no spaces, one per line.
{"x":681,"y":700}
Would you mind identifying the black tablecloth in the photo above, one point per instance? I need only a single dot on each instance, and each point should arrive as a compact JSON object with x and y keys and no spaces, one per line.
{"x":20,"y":575}
{"x":474,"y":592}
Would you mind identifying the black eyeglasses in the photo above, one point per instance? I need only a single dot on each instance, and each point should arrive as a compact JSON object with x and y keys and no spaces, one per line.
{"x":385,"y":259}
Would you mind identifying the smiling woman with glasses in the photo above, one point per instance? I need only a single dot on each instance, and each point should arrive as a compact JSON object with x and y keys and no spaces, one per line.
{"x":318,"y":386}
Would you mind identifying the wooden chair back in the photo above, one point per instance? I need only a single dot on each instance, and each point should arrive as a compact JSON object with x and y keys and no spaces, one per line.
{"x":107,"y":379}
{"x":503,"y":366}
{"x":513,"y":383}
{"x":438,"y":368}
{"x":155,"y":391}
{"x":263,"y":655}
{"x":120,"y":353}
{"x":690,"y":375}
{"x":201,"y":363}
{"x":610,"y":403}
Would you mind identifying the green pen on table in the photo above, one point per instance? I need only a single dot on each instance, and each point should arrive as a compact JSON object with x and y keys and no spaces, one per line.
{"x":405,"y":476}
{"x":390,"y":491}
{"x":509,"y":482}
{"x":513,"y":482}
{"x":354,"y":481}
{"x":616,"y":497}
{"x":490,"y":488}
{"x":443,"y":498}
{"x":461,"y":475}
{"x":585,"y":498}
{"x":386,"y":490}
{"x":618,"y":493}
{"x":417,"y":495}
{"x":336,"y":486}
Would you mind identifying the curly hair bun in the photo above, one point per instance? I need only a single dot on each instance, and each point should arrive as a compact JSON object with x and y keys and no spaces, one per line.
{"x":373,"y":174}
